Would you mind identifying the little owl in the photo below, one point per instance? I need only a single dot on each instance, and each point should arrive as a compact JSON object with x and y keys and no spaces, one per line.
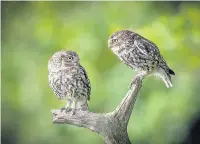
{"x":68,"y":79}
{"x":140,"y":54}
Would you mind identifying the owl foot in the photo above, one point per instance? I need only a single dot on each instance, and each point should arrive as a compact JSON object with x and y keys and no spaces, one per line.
{"x":133,"y":82}
{"x":65,"y":109}
{"x":71,"y":112}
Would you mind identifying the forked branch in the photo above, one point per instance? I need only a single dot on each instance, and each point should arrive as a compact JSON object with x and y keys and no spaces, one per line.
{"x":112,"y":126}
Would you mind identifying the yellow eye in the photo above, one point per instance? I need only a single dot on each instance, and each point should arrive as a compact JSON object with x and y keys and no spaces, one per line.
{"x":70,"y":58}
{"x":114,"y":40}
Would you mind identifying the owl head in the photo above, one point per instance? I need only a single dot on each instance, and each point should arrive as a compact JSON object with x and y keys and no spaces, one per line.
{"x":62,"y":59}
{"x":119,"y":38}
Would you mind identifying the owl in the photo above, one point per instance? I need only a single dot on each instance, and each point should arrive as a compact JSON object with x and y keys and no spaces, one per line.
{"x":140,"y":54}
{"x":69,"y":80}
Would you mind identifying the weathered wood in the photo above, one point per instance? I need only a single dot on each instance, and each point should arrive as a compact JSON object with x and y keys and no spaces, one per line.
{"x":111,"y":126}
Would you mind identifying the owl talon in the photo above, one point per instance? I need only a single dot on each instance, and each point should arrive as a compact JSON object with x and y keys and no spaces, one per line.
{"x":68,"y":110}
{"x":65,"y":109}
{"x":62,"y":109}
{"x":131,"y":84}
{"x":71,"y":112}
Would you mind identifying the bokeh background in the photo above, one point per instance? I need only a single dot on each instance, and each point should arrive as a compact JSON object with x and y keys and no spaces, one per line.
{"x":33,"y":31}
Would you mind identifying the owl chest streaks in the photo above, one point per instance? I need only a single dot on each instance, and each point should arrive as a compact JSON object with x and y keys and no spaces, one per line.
{"x":70,"y":83}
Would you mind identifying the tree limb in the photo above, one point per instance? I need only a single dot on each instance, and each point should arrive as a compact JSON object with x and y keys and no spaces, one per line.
{"x":124,"y":110}
{"x":112,"y":126}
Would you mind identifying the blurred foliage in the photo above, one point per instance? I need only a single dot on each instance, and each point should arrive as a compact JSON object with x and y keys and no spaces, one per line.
{"x":33,"y":31}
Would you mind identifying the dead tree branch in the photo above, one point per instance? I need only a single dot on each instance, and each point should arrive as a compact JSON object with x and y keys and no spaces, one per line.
{"x":111,"y":126}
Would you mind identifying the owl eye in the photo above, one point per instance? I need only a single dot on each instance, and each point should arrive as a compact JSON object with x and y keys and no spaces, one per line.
{"x":70,"y":58}
{"x":114,"y":40}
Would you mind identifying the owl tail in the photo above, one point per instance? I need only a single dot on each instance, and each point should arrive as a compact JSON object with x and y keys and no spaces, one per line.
{"x":167,"y":80}
{"x":165,"y":74}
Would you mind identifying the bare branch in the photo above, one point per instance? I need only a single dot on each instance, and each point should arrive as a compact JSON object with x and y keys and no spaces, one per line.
{"x":90,"y":120}
{"x":112,"y":126}
{"x":124,"y":110}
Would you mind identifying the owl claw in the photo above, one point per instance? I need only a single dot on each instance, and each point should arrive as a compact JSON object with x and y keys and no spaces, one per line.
{"x":62,"y":109}
{"x":65,"y":109}
{"x":68,"y":110}
{"x":71,"y":112}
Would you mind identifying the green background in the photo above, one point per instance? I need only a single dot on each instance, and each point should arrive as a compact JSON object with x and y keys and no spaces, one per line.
{"x":33,"y":31}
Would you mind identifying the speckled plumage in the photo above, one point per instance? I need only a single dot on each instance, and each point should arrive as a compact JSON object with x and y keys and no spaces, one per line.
{"x":140,"y":54}
{"x":68,"y":79}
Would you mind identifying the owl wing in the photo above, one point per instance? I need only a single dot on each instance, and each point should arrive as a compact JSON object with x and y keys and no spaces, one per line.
{"x":148,"y":48}
{"x":86,"y":81}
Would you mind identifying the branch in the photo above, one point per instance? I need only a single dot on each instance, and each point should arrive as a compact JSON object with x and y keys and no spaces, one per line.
{"x":112,"y":126}
{"x":124,"y":110}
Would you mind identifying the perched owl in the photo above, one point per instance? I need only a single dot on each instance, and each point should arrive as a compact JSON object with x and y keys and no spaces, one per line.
{"x":68,"y":79}
{"x":140,"y":54}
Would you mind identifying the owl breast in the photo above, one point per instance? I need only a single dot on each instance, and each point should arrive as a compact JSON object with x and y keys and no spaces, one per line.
{"x":67,"y":84}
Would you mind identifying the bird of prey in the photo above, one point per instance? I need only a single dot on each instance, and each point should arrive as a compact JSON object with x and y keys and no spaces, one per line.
{"x":68,"y":79}
{"x":140,"y":54}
